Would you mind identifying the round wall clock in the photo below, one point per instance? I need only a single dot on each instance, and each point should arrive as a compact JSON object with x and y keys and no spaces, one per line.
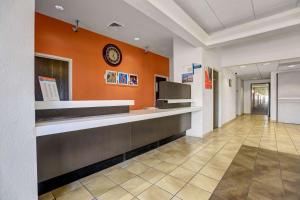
{"x":112,"y":55}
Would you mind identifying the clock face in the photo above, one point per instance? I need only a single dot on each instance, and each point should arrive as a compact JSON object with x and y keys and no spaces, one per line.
{"x":112,"y":55}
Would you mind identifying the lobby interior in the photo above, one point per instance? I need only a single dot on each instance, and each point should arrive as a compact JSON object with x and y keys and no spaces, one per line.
{"x":150,"y":100}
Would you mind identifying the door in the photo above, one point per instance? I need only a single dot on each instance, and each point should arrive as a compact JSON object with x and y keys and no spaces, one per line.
{"x":216,"y":99}
{"x":260,"y":95}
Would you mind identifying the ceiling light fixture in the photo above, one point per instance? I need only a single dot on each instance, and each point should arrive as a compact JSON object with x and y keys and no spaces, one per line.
{"x":136,"y":38}
{"x":291,"y":66}
{"x":243,"y":66}
{"x":59,"y":7}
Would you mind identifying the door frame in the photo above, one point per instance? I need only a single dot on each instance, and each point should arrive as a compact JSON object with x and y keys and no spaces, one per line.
{"x":269,"y":100}
{"x":217,"y":117}
{"x":70,"y":68}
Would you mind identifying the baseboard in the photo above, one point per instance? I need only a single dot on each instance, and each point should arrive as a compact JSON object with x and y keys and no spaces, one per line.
{"x":229,"y":122}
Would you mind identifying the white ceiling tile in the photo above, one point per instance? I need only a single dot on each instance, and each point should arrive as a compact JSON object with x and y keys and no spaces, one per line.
{"x":249,"y":76}
{"x":272,"y":66}
{"x":201,"y":13}
{"x":246,"y":73}
{"x":232,"y":12}
{"x":265,"y":8}
{"x":265,"y":75}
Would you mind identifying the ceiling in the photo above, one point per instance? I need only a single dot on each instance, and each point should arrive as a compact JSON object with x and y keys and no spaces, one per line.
{"x":217,"y":15}
{"x":263,"y":70}
{"x":157,"y":22}
{"x":95,"y":15}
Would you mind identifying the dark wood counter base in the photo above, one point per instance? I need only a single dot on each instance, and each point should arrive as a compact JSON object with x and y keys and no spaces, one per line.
{"x":66,"y":157}
{"x":62,"y":180}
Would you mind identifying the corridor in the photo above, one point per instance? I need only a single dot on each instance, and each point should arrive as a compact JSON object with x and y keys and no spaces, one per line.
{"x":260,"y":99}
{"x":249,"y":158}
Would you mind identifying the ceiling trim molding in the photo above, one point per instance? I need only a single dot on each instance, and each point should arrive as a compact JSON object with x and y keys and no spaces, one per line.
{"x":173,"y":17}
{"x":260,"y":26}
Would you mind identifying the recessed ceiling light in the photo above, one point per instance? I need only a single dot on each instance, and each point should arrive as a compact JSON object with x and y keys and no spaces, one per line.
{"x":291,"y":66}
{"x":243,"y":66}
{"x":59,"y":7}
{"x":136,"y":38}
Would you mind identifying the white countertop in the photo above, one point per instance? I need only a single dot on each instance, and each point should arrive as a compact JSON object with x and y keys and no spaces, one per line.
{"x":81,"y":123}
{"x":46,"y":105}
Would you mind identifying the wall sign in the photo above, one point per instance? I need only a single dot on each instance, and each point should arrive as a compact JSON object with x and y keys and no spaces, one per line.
{"x":49,"y":88}
{"x":208,"y":78}
{"x":112,"y":55}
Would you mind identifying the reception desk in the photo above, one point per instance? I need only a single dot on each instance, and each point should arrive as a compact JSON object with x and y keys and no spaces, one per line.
{"x":69,"y":148}
{"x":78,"y":138}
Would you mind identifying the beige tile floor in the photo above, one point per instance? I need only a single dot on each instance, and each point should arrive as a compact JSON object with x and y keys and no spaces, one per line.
{"x":187,"y":169}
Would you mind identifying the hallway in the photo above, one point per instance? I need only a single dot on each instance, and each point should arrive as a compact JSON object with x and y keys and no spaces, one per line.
{"x":249,"y":158}
{"x":260,"y":99}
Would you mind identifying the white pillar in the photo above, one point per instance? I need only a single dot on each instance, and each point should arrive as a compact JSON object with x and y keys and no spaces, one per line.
{"x":273,"y":98}
{"x":18,"y":174}
{"x":185,"y":54}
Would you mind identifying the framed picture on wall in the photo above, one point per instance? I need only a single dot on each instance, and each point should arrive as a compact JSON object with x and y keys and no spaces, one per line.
{"x":133,"y":80}
{"x":122,"y":78}
{"x":187,"y":78}
{"x":208,"y":78}
{"x":110,"y":77}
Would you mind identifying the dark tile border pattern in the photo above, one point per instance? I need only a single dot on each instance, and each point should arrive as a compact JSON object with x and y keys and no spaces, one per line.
{"x":260,"y":174}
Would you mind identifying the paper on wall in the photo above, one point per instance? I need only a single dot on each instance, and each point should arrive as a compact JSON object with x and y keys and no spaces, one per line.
{"x":49,"y":88}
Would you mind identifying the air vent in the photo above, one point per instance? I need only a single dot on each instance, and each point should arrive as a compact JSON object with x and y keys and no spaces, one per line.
{"x":115,"y":26}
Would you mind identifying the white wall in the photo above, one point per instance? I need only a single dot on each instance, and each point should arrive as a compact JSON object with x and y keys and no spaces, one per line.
{"x":289,"y":97}
{"x":208,"y":115}
{"x":247,"y":93}
{"x":270,"y":47}
{"x":228,"y":97}
{"x":210,"y":59}
{"x":18,"y":179}
{"x":185,"y":54}
{"x":239,"y":96}
{"x":273,"y":109}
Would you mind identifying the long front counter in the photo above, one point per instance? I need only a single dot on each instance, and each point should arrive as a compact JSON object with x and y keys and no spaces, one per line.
{"x":69,"y":149}
{"x":74,"y":124}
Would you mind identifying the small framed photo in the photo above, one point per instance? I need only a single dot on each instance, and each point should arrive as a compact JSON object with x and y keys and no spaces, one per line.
{"x":110,"y":77}
{"x":133,"y":80}
{"x":122,"y":78}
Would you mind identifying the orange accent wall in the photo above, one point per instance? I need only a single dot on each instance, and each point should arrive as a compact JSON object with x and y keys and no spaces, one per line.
{"x":56,"y":37}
